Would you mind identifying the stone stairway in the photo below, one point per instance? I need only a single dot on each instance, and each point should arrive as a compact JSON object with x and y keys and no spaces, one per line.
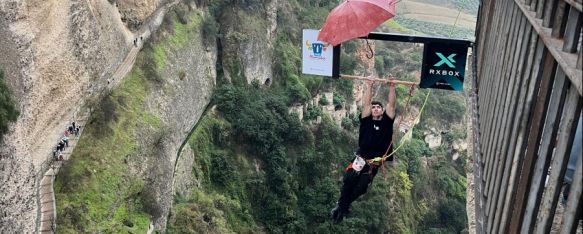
{"x":48,"y":216}
{"x":48,"y":211}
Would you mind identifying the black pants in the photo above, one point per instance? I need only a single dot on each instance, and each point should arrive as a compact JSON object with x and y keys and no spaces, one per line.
{"x":355,"y":184}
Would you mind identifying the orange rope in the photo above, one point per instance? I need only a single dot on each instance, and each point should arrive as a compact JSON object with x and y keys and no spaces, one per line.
{"x":411,"y":90}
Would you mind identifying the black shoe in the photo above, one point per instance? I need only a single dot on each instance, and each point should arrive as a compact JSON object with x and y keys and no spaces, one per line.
{"x":335,"y":212}
{"x":338,"y":214}
{"x":340,"y":217}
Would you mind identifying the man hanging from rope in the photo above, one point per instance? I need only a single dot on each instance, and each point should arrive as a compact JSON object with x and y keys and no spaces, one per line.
{"x":374,"y":140}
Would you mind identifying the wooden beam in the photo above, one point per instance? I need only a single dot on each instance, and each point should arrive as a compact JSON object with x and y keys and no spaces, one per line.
{"x":570,"y":221}
{"x":545,"y":151}
{"x":567,"y":61}
{"x":493,"y":112}
{"x":567,"y":128}
{"x":534,"y":136}
{"x":379,"y":80}
{"x":575,"y":3}
{"x":572,"y":31}
{"x":529,"y":45}
{"x":494,"y":172}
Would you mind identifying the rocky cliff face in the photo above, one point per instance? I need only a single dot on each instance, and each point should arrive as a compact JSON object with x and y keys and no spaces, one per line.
{"x":179,"y":109}
{"x":249,"y":44}
{"x":253,"y":55}
{"x":55,"y":54}
{"x":135,"y":12}
{"x":16,"y":174}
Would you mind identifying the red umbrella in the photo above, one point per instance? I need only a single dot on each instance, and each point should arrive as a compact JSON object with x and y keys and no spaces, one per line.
{"x":355,"y":18}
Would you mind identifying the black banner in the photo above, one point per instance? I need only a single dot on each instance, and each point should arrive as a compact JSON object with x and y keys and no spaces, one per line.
{"x":444,"y":66}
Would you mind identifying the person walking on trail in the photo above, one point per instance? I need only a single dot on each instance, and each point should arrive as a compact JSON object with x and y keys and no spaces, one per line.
{"x":374,"y":139}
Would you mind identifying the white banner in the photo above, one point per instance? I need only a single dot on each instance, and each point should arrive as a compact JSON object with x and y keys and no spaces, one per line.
{"x":316,"y":55}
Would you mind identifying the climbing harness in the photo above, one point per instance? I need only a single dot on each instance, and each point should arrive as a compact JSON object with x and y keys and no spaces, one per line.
{"x":358,"y":163}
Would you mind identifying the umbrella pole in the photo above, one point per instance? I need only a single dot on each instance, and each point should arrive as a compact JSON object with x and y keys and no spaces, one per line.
{"x":411,"y":83}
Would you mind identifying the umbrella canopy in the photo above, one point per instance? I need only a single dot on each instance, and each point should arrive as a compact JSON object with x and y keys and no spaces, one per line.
{"x":355,"y":18}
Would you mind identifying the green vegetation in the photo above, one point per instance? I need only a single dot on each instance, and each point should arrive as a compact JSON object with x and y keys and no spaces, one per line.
{"x":312,"y":112}
{"x":287,"y":68}
{"x":99,"y":189}
{"x":278,"y":174}
{"x":309,"y":189}
{"x":468,"y":6}
{"x":258,"y":169}
{"x":8,"y":110}
{"x":183,"y":30}
{"x":285,"y":177}
{"x":323,"y":101}
{"x":338,"y":100}
{"x":446,"y":100}
{"x":220,"y":205}
{"x":210,"y":29}
{"x":183,"y":25}
{"x":394,"y":25}
{"x":95,"y":190}
{"x":435,"y":29}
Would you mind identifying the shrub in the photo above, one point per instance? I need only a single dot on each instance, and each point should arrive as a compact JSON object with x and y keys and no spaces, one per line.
{"x":151,"y":63}
{"x":452,"y":214}
{"x":8,"y":111}
{"x":338,"y":100}
{"x":347,"y":124}
{"x":323,"y":101}
{"x":222,"y":172}
{"x":104,"y":114}
{"x":312,"y":112}
{"x":181,"y":74}
{"x":347,"y":63}
{"x":312,"y":83}
{"x":210,"y":29}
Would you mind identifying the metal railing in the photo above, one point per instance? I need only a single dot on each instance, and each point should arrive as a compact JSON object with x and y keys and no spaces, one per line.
{"x":527,"y":102}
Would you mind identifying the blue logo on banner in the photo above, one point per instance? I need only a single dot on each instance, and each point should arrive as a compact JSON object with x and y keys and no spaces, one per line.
{"x":444,"y":66}
{"x":317,"y":49}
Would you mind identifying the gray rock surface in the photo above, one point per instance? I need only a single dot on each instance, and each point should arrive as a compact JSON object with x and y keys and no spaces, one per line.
{"x":180,"y":108}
